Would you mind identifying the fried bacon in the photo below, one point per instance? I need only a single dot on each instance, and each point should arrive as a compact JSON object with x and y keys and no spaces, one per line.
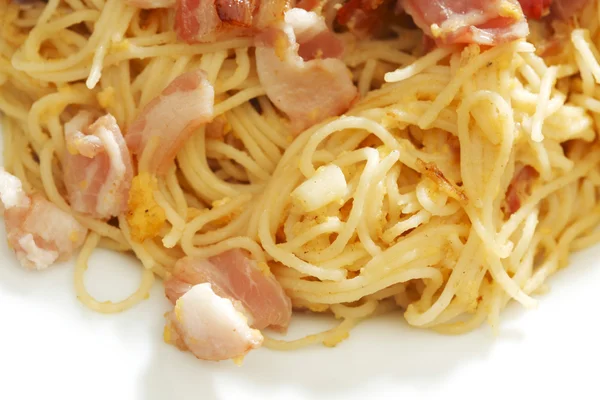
{"x":211,"y":20}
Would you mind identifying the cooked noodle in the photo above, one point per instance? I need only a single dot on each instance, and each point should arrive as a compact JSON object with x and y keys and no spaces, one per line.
{"x":427,"y":157}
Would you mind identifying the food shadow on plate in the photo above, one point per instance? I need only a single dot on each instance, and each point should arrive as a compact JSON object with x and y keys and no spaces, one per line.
{"x":381,"y":349}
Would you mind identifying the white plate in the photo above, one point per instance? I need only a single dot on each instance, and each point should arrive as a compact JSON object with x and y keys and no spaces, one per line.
{"x":50,"y":344}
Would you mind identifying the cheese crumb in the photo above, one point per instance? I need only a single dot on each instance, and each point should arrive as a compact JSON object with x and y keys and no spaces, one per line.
{"x":144,"y":216}
{"x":119,"y":45}
{"x":167,"y":334}
{"x":106,"y":97}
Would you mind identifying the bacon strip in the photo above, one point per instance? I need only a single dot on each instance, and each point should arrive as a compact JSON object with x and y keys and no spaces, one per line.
{"x":314,"y":39}
{"x":561,"y":9}
{"x":308,"y":5}
{"x":97,"y":168}
{"x":309,"y":89}
{"x":485,"y":22}
{"x":236,"y":12}
{"x":210,"y":326}
{"x":566,"y":9}
{"x":365,"y":17}
{"x":536,"y":8}
{"x":172,"y":117}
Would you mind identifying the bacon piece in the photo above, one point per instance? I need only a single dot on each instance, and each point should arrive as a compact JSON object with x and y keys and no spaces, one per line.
{"x":97,"y":167}
{"x":172,"y":117}
{"x":218,"y":128}
{"x":270,"y":12}
{"x":485,"y":22}
{"x":209,"y":20}
{"x":566,"y":9}
{"x":353,"y":8}
{"x":233,"y":275}
{"x":307,"y":90}
{"x":536,"y":8}
{"x":196,"y":20}
{"x":519,"y":188}
{"x":428,"y":44}
{"x":236,"y":12}
{"x":561,"y":9}
{"x":364,"y":17}
{"x":37,"y":230}
{"x":312,"y":35}
{"x":210,"y":326}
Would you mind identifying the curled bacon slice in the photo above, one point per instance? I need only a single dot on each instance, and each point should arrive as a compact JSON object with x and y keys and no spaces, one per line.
{"x":297,"y":67}
{"x":37,"y":230}
{"x":171,"y":118}
{"x":235,"y":276}
{"x":97,"y":167}
{"x":209,"y":20}
{"x":485,"y":22}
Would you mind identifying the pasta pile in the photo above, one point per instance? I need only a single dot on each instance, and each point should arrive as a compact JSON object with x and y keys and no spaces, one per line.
{"x":461,"y":179}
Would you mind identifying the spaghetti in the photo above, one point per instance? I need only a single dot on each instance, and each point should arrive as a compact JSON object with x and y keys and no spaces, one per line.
{"x":430,"y":210}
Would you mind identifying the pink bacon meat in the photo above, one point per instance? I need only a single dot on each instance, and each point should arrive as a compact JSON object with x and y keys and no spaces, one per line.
{"x":97,"y":167}
{"x":209,"y":20}
{"x":209,"y":326}
{"x":37,"y":230}
{"x":235,"y":276}
{"x":485,"y":22}
{"x":184,"y":105}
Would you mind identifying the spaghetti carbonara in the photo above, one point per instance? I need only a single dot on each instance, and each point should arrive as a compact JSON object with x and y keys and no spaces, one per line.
{"x":343,"y":157}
